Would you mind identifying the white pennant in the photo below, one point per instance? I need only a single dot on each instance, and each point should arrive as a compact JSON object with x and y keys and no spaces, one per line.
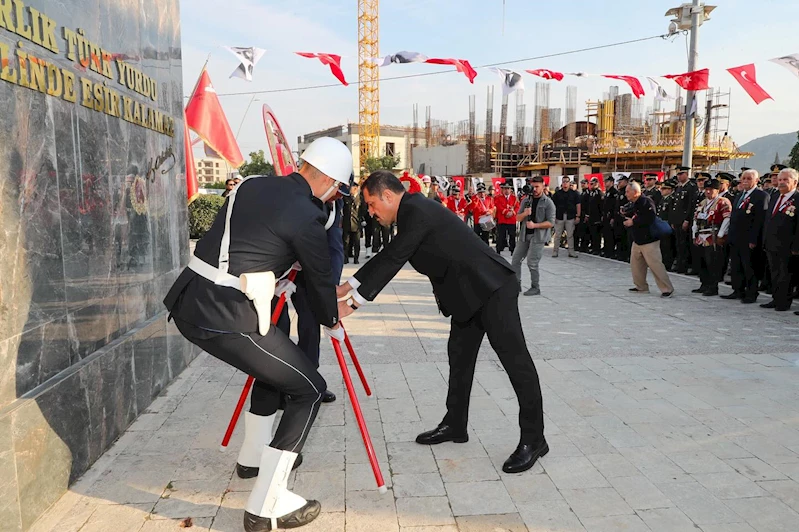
{"x":248,"y":57}
{"x":400,"y":58}
{"x":511,"y":81}
{"x":791,"y":62}
{"x":660,"y":93}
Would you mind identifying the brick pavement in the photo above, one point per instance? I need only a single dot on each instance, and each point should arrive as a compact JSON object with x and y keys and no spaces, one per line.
{"x":661,"y":415}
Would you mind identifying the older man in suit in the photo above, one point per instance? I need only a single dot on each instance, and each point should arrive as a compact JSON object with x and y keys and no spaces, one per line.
{"x":472,"y":284}
{"x":746,"y":237}
{"x":781,"y":238}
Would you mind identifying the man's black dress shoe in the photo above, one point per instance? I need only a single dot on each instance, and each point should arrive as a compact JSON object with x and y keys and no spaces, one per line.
{"x":328,"y":396}
{"x":782,"y":309}
{"x":711,"y":292}
{"x":734,"y":295}
{"x":440,"y":434}
{"x":296,"y":519}
{"x":525,"y":456}
{"x":698,"y":290}
{"x":252,"y":472}
{"x":770,"y":304}
{"x":749,"y":300}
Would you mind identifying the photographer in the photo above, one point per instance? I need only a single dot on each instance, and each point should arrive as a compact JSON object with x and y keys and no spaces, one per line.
{"x":537,"y":217}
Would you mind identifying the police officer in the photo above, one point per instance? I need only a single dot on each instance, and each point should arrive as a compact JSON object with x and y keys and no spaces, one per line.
{"x":623,"y":246}
{"x":222,"y":302}
{"x":685,"y":198}
{"x":608,"y":210}
{"x":665,"y":212}
{"x":593,"y":216}
{"x":650,"y":190}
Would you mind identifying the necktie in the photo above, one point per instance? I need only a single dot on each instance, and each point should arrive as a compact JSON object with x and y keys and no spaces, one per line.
{"x":777,"y":207}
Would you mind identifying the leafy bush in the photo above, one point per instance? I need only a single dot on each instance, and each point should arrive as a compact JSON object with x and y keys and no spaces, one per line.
{"x":202,"y":213}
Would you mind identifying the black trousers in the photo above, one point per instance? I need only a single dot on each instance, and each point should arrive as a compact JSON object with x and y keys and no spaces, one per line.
{"x":682,"y":243}
{"x":280,"y":366}
{"x":742,"y":270}
{"x":381,"y":237}
{"x":595,"y":231}
{"x":697,"y":253}
{"x":499,"y":319}
{"x":482,"y":234}
{"x":353,"y":244}
{"x":506,"y":237}
{"x":711,"y":262}
{"x":367,"y":233}
{"x":779,"y":262}
{"x":623,"y":246}
{"x":667,"y":250}
{"x":609,"y":241}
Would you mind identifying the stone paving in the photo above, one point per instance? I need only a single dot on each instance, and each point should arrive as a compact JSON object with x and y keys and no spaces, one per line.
{"x":661,"y":415}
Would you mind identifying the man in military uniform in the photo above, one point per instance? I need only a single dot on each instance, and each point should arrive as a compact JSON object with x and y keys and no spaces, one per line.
{"x":650,"y":190}
{"x":581,"y":235}
{"x":351,"y":220}
{"x":593,"y":216}
{"x":608,"y":210}
{"x":710,"y":227}
{"x":665,"y":213}
{"x":623,"y":245}
{"x":685,"y":196}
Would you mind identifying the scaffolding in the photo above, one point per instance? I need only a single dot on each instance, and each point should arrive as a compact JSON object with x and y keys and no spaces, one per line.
{"x":571,"y":113}
{"x":521,"y":118}
{"x":489,"y":128}
{"x":472,"y":145}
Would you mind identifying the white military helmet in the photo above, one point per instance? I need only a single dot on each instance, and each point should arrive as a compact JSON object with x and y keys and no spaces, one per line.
{"x":331,"y":157}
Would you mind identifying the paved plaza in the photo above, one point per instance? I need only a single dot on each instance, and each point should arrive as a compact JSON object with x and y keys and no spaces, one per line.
{"x":676,"y":414}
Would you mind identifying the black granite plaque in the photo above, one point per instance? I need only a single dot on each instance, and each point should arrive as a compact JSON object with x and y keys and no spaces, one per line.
{"x":94,"y":230}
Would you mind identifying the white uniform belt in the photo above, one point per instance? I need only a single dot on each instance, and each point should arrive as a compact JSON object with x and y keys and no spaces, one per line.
{"x":259,"y":287}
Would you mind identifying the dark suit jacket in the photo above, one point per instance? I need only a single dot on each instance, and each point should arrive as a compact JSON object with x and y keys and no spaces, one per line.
{"x":781,"y":231}
{"x":463,"y":270}
{"x":275,"y":222}
{"x":746,"y":224}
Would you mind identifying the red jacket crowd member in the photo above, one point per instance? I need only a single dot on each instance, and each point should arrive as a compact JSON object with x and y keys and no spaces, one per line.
{"x":506,"y":204}
{"x":457,"y":203}
{"x":483,"y":213}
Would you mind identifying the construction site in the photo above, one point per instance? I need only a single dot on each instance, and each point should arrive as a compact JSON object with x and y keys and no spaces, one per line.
{"x":613,"y":134}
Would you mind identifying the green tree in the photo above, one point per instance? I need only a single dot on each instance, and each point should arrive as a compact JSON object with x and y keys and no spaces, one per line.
{"x":386,"y":162}
{"x":257,"y":165}
{"x":217,"y":185}
{"x":793,"y":158}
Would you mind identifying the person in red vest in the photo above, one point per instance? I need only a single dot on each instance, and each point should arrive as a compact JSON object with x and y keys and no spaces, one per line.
{"x":457,"y":203}
{"x":483,"y":213}
{"x":506,"y":206}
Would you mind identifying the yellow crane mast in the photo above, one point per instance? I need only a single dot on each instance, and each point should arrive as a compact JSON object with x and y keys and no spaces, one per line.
{"x":369,"y":80}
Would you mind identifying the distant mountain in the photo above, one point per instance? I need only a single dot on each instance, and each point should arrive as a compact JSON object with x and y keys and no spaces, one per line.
{"x":765,"y":149}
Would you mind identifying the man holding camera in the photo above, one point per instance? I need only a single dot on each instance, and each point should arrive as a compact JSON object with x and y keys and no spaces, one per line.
{"x":537,"y":217}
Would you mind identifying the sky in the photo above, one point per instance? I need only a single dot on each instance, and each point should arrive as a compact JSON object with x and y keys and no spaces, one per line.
{"x":738,"y":32}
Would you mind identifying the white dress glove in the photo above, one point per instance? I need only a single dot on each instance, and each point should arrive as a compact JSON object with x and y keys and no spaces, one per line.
{"x":337,"y":334}
{"x":285,"y":287}
{"x":296,"y":266}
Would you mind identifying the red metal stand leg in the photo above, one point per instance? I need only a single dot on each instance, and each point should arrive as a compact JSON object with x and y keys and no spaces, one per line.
{"x":357,"y":364}
{"x":234,"y":419}
{"x":356,"y":406}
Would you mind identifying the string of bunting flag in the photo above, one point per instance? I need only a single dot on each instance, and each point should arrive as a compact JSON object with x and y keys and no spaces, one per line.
{"x":512,"y":80}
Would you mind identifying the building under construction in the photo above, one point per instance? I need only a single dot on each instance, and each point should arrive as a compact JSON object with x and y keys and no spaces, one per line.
{"x":617,"y":134}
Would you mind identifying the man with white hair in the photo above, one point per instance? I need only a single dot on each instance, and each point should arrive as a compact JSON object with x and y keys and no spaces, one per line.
{"x":646,"y":248}
{"x":781,"y":238}
{"x":746,"y":237}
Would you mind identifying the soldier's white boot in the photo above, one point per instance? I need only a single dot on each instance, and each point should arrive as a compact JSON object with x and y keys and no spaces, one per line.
{"x":257,"y":435}
{"x":271,"y":505}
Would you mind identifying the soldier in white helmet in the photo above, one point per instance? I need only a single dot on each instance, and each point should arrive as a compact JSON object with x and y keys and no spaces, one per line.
{"x":223,"y":303}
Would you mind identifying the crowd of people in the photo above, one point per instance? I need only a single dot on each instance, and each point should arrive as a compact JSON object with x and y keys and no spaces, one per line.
{"x":720,"y":225}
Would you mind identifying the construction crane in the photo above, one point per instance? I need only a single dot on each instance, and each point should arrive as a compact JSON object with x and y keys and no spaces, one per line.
{"x":368,"y":79}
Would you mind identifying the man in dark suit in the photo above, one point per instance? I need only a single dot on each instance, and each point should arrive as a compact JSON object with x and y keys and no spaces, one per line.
{"x":475,"y":286}
{"x":746,"y":237}
{"x":781,"y":238}
{"x":685,"y":197}
{"x":608,"y":216}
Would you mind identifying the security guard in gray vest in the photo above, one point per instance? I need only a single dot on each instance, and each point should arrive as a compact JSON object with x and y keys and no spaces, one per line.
{"x":223,"y":303}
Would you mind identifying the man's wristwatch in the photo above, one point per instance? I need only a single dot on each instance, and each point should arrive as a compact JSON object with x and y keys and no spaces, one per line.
{"x":351,"y":303}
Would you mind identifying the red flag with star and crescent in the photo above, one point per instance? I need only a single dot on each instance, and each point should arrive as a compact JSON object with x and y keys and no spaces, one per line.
{"x":331,"y":60}
{"x":745,"y":75}
{"x":204,"y":116}
{"x":692,"y":81}
{"x":461,"y":65}
{"x":546,"y":74}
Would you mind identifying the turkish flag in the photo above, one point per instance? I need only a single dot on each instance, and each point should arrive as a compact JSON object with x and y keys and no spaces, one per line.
{"x":461,"y":182}
{"x":331,"y":60}
{"x":692,"y":81}
{"x":546,"y":74}
{"x":633,"y":82}
{"x":745,"y":75}
{"x":461,"y":65}
{"x":599,"y":178}
{"x":192,"y":186}
{"x":204,"y":116}
{"x":497,"y":182}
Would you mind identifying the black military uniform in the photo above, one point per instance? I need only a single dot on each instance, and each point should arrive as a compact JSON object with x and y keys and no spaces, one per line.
{"x":651,"y":191}
{"x":685,"y":201}
{"x":581,"y":233}
{"x":729,"y":193}
{"x":665,"y":212}
{"x":608,"y":210}
{"x":593,"y":218}
{"x":623,"y":245}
